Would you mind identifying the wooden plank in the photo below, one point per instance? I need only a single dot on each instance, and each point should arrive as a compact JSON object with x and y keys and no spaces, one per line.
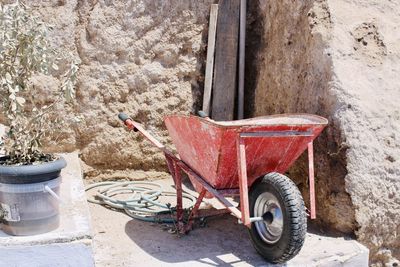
{"x":224,"y":89}
{"x":242,"y":45}
{"x":212,"y":28}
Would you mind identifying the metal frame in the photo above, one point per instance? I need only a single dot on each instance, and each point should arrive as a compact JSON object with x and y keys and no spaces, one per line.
{"x":242,"y":169}
{"x":176,"y":165}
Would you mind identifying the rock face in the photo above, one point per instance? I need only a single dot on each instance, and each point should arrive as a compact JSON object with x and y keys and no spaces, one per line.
{"x":340,"y":59}
{"x":336,"y":58}
{"x":293,"y":76}
{"x":141,"y":57}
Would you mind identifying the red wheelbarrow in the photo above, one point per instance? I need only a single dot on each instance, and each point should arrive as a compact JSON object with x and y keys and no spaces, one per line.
{"x":246,"y":158}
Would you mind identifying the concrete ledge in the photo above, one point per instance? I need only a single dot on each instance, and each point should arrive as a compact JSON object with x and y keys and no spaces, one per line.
{"x":70,"y":244}
{"x":331,"y":251}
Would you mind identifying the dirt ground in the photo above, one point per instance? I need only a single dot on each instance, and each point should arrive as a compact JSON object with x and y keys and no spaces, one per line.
{"x":122,"y":241}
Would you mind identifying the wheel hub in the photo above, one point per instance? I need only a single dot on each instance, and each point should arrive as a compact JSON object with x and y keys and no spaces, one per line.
{"x":271,"y":228}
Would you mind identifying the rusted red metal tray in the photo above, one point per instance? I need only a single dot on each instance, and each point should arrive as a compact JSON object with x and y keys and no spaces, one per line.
{"x":225,"y":158}
{"x":209,"y":147}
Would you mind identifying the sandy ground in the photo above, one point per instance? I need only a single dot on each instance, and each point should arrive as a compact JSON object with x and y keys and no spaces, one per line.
{"x":122,"y":241}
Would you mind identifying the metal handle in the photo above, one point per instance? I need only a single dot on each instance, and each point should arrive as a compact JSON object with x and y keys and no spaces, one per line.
{"x":202,"y":114}
{"x":127,"y":121}
{"x":123,"y":117}
{"x":137,"y":127}
{"x":53,"y":194}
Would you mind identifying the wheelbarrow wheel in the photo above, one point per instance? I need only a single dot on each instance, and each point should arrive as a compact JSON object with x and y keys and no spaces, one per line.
{"x":280,"y":236}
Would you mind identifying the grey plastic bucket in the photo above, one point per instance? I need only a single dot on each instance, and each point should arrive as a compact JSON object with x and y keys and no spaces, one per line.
{"x":30,"y":209}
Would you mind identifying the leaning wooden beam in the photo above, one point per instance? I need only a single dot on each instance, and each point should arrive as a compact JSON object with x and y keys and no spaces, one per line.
{"x":226,"y":54}
{"x":210,"y":59}
{"x":242,"y":45}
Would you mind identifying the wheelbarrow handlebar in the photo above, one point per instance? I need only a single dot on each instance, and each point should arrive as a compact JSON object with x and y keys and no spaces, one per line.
{"x":131,"y":124}
{"x":137,"y":127}
{"x":123,"y":117}
{"x":202,"y":114}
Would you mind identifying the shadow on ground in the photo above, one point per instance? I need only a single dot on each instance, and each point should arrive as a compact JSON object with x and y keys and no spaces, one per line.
{"x":222,"y":242}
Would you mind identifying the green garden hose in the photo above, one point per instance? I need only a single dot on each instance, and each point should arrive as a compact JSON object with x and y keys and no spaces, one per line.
{"x":143,"y":202}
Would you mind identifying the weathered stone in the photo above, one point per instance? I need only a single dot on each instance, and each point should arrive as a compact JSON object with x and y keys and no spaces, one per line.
{"x":340,"y":59}
{"x":140,"y":57}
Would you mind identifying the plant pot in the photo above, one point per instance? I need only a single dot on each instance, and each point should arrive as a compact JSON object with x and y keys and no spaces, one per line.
{"x":29,"y":197}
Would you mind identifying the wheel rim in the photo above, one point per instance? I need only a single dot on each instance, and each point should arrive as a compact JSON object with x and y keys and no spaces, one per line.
{"x":271,"y":228}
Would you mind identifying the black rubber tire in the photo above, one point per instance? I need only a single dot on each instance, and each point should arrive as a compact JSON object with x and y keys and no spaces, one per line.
{"x":293,"y":213}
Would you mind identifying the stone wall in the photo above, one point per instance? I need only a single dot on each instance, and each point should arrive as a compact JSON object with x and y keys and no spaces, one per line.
{"x":340,"y":59}
{"x":141,"y":57}
{"x":294,"y":74}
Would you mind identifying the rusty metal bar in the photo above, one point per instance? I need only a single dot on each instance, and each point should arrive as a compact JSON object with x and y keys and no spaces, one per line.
{"x":179,"y":205}
{"x":310,"y":151}
{"x":216,"y":193}
{"x":171,"y":165}
{"x":229,"y":192}
{"x":210,"y":212}
{"x":242,"y":171}
{"x":276,"y":134}
{"x":196,"y":207}
{"x":211,"y":189}
{"x":135,"y":126}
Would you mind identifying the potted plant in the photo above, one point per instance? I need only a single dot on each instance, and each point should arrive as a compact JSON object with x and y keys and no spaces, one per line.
{"x":29,"y":177}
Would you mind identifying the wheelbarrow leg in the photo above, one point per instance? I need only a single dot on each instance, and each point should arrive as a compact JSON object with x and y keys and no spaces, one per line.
{"x":195,"y":209}
{"x":313,"y":214}
{"x":244,"y":194}
{"x":179,"y":206}
{"x":171,"y":165}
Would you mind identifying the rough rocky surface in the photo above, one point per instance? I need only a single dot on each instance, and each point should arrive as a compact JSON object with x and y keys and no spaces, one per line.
{"x":141,"y":57}
{"x":294,"y":72}
{"x":341,"y":59}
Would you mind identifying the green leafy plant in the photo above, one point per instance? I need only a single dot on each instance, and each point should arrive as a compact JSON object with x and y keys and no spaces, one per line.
{"x":25,"y":53}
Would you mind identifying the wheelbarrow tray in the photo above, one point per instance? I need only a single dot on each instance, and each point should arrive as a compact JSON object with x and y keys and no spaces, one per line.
{"x":210,"y":149}
{"x":225,"y":158}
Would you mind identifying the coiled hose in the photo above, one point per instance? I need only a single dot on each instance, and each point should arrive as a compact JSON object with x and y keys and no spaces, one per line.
{"x":143,"y":202}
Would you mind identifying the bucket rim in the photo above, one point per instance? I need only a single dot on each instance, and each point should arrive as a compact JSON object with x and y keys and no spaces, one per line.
{"x":32,"y":187}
